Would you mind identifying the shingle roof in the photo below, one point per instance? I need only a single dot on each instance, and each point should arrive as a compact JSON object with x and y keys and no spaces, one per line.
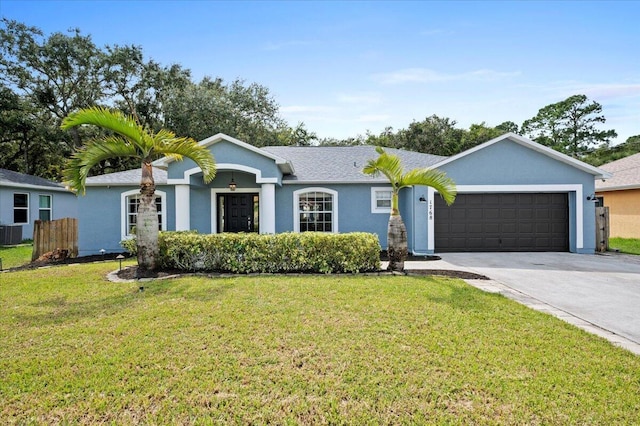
{"x":128,"y":177}
{"x":626,"y":174}
{"x":341,"y":163}
{"x":311,"y":164}
{"x":15,"y":179}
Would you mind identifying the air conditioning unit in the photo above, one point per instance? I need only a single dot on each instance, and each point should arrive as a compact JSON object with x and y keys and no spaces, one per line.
{"x":10,"y":235}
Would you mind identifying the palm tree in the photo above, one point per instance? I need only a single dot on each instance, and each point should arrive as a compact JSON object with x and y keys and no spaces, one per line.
{"x":390,"y":166}
{"x":129,"y":139}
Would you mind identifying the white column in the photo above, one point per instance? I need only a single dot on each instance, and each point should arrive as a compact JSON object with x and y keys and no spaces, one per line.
{"x":182,"y":208}
{"x":431,"y":207}
{"x":268,"y":209}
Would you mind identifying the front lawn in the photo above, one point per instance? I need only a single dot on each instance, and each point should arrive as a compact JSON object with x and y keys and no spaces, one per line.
{"x":13,"y":256}
{"x":299,"y":349}
{"x":625,"y":245}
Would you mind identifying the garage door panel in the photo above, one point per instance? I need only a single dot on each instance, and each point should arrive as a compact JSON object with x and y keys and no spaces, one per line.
{"x":503,"y":222}
{"x":491,"y":214}
{"x":508,"y":213}
{"x":491,"y":228}
{"x":509,"y":228}
{"x":459,"y":215}
{"x":474,"y":214}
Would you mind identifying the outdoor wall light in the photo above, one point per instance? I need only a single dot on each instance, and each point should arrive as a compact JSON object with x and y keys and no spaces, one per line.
{"x":592,"y":197}
{"x":422,"y":199}
{"x":232,"y":184}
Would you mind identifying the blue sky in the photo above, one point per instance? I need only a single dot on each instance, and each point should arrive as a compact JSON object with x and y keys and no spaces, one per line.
{"x":344,"y":68}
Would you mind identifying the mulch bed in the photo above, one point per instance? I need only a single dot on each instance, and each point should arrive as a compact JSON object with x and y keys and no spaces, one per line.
{"x":70,"y":261}
{"x":130,"y":273}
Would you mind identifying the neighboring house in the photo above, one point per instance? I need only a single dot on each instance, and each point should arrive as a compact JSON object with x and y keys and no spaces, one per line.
{"x":621,"y":194}
{"x":25,"y":199}
{"x":513,"y":195}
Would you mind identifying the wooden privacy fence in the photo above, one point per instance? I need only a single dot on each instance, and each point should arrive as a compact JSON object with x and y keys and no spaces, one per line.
{"x":602,"y":229}
{"x":55,"y":234}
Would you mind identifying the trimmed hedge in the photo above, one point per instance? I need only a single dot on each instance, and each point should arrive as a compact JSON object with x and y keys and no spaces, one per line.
{"x":316,"y":252}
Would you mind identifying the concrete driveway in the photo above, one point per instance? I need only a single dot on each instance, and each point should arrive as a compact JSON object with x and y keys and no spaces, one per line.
{"x":600,"y":290}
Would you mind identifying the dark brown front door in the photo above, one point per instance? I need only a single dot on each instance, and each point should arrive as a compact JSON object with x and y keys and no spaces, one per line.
{"x":239,"y":212}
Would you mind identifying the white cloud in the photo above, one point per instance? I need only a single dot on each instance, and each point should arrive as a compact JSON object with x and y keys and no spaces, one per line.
{"x":360,"y":98}
{"x":426,"y":75}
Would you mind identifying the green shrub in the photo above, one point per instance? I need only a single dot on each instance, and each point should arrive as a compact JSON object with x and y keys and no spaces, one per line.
{"x":255,"y":253}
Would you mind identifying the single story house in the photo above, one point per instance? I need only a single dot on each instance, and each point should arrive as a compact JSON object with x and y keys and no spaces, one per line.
{"x":25,"y":199}
{"x":621,"y":194}
{"x":513,"y":195}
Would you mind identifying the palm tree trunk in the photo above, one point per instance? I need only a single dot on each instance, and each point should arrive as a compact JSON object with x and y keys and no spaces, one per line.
{"x":147,"y":225}
{"x":396,"y":243}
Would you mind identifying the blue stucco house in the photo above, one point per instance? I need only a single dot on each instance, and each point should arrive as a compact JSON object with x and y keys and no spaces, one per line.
{"x":514,"y":195}
{"x":26,"y":198}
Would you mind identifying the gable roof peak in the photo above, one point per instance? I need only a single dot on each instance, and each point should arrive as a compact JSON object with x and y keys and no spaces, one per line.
{"x":528,"y":143}
{"x":282,"y":163}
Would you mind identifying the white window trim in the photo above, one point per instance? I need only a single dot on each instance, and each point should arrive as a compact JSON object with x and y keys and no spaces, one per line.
{"x":296,"y":204}
{"x":374,"y":204}
{"x":14,"y":208}
{"x":123,"y":211}
{"x":50,"y":205}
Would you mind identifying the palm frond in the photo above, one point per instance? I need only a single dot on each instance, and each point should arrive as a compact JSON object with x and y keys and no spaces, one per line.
{"x":434,"y":178}
{"x":178,"y":148}
{"x":387,"y":164}
{"x":80,"y":164}
{"x":115,"y":121}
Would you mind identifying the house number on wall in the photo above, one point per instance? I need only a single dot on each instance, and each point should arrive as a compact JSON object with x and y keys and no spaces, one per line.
{"x":430,"y":209}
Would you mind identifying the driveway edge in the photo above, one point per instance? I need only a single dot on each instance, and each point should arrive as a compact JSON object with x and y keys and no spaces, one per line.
{"x":492,"y":286}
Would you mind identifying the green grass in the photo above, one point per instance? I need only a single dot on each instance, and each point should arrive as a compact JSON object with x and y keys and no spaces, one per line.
{"x":13,"y":256}
{"x":77,"y":349}
{"x":625,"y":245}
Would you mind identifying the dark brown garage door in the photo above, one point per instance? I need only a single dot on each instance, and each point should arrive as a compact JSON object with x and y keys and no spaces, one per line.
{"x":502,"y":222}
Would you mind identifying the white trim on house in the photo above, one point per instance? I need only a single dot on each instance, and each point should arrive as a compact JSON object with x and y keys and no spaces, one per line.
{"x":214,"y":204}
{"x":617,"y":188}
{"x":374,"y":199}
{"x":296,"y":206}
{"x":267,"y":206}
{"x":222,"y":166}
{"x":561,"y":188}
{"x":49,"y":209}
{"x":283,"y":164}
{"x":123,"y":210}
{"x":183,"y":207}
{"x":596,"y":172}
{"x":35,"y":187}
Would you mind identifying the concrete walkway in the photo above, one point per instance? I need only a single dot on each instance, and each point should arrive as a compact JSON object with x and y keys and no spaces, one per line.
{"x":598,"y":293}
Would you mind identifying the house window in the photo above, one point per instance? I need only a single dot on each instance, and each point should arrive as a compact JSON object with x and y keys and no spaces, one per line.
{"x":316,"y":209}
{"x":130,"y":203}
{"x":44,"y":209}
{"x":20,"y":208}
{"x":381,"y":199}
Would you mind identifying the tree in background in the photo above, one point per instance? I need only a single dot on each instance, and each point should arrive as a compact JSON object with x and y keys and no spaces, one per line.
{"x":57,"y":74}
{"x":438,"y":136}
{"x":391,"y":167}
{"x":127,"y":138}
{"x":53,"y":76}
{"x":569,"y":126}
{"x":606,"y":154}
{"x":245,"y":111}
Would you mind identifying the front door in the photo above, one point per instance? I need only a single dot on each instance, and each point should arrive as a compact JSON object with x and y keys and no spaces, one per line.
{"x":238,"y":212}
